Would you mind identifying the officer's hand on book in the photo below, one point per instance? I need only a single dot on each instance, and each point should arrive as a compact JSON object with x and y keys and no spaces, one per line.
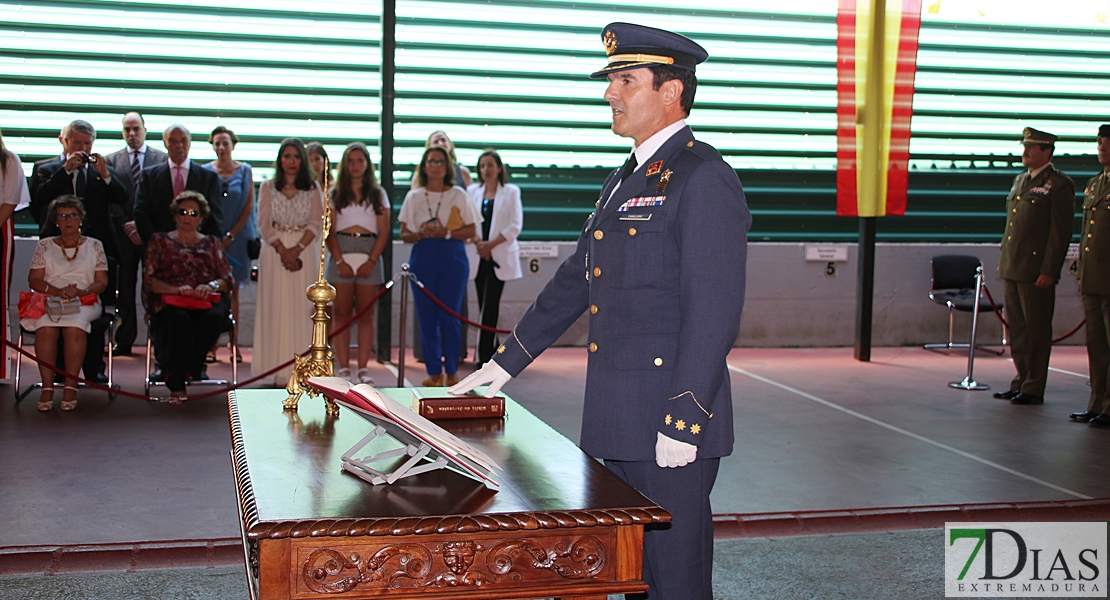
{"x":671,"y":453}
{"x":490,"y":374}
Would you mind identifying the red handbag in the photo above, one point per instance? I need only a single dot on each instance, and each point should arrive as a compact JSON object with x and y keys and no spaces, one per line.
{"x":32,"y":305}
{"x":190,"y":302}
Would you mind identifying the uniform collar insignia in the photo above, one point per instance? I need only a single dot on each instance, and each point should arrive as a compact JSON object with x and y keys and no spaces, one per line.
{"x":654,"y":168}
{"x":664,"y":179}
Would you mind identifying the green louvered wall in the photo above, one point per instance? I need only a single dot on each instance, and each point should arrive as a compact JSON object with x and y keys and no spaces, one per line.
{"x":512,"y":75}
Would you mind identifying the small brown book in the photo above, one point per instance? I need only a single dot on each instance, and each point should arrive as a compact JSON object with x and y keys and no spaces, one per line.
{"x":437,"y":403}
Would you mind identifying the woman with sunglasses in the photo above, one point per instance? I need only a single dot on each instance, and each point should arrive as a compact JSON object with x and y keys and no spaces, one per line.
{"x":437,"y":217}
{"x":290,"y":207}
{"x":182,"y":270}
{"x":70,"y":268}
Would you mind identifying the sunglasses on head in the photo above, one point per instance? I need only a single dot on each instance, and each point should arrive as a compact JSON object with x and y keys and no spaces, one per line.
{"x":186,"y":212}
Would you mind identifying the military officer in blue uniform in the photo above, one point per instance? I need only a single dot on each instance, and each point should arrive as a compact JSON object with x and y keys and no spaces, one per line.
{"x":660,"y":267}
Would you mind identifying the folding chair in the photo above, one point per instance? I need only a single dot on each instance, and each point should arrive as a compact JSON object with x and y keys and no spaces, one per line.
{"x":227,"y":326}
{"x":953,"y":286}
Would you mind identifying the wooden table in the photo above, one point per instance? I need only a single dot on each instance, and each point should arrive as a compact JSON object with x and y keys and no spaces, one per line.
{"x":560,"y":525}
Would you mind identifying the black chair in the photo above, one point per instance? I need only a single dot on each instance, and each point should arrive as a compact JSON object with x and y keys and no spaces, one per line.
{"x":228,"y":327}
{"x":953,"y":286}
{"x":107,"y":322}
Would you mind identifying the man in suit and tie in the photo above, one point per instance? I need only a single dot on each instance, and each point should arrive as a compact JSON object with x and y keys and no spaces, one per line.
{"x":86,"y":174}
{"x":162,"y":183}
{"x":660,"y":266}
{"x":1039,"y":215}
{"x":129,"y":162}
{"x":1094,"y":285}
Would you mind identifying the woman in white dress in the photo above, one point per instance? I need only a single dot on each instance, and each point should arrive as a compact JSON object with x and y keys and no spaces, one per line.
{"x":290,"y":207}
{"x":71,"y":267}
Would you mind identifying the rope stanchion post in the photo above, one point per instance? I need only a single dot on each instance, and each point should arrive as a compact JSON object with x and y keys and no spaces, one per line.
{"x":405,"y":277}
{"x":969,"y":382}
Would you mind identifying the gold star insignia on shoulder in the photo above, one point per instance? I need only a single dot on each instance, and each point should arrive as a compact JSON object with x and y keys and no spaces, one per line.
{"x":667,"y":420}
{"x":680,"y":425}
{"x":501,"y":349}
{"x":695,"y":429}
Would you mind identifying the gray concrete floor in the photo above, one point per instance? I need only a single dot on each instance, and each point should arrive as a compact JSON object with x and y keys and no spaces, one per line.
{"x":815,"y":430}
{"x":879,"y":566}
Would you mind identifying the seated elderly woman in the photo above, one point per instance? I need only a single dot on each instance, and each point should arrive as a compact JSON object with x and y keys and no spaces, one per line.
{"x":69,"y":269}
{"x":183,"y":271}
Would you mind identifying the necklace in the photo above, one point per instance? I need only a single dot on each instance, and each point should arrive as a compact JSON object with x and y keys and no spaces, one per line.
{"x":76,"y":249}
{"x":433,"y":215}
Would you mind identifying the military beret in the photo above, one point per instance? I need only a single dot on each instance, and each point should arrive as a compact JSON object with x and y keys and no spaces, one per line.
{"x":632,"y":46}
{"x":1104,"y":130}
{"x":1034,"y":136}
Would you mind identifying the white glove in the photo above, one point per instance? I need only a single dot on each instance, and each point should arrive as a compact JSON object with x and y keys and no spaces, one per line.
{"x":671,"y":453}
{"x":490,"y":374}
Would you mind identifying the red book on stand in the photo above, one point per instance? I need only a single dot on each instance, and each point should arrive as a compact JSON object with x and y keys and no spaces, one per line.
{"x":437,"y":403}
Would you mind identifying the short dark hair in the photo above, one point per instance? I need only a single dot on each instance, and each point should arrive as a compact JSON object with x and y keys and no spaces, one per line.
{"x":64,"y":201}
{"x":202,"y":203}
{"x":304,"y":178}
{"x":222,"y":129}
{"x":664,"y":73}
{"x":502,"y":175}
{"x":422,"y":175}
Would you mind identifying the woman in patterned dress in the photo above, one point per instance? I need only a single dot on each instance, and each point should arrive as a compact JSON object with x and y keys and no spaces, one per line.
{"x":186,"y":264}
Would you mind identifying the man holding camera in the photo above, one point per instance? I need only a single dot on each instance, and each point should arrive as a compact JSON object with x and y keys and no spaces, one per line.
{"x":81,"y":172}
{"x":86,"y":175}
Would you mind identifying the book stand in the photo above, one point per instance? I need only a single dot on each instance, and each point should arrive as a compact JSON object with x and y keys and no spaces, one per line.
{"x":416,"y":449}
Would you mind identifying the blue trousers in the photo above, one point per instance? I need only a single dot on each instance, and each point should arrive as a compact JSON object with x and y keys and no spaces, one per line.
{"x":442,"y":267}
{"x":678,"y":556}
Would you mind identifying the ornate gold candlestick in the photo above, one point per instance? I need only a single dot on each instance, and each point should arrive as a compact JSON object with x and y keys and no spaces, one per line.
{"x":319,"y":362}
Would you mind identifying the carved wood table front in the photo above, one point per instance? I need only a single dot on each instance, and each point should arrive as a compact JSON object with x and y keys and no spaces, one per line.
{"x":560,"y":525}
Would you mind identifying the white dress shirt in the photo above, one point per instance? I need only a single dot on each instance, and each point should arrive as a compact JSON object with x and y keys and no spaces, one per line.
{"x":645,"y":150}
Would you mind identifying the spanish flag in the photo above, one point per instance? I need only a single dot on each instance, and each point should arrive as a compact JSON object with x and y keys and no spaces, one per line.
{"x":876,"y":60}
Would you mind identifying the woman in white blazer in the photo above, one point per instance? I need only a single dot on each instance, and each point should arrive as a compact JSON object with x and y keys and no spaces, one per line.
{"x":495,"y":256}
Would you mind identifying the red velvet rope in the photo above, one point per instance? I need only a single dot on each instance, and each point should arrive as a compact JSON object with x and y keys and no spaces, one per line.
{"x":334,"y":332}
{"x":420,"y":286}
{"x":998,"y":314}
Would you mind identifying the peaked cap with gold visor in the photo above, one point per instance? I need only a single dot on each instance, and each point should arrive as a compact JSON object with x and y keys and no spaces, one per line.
{"x":631,"y":46}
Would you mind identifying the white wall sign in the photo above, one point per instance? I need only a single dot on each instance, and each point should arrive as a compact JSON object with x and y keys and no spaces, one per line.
{"x":826,"y":253}
{"x":539,"y":250}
